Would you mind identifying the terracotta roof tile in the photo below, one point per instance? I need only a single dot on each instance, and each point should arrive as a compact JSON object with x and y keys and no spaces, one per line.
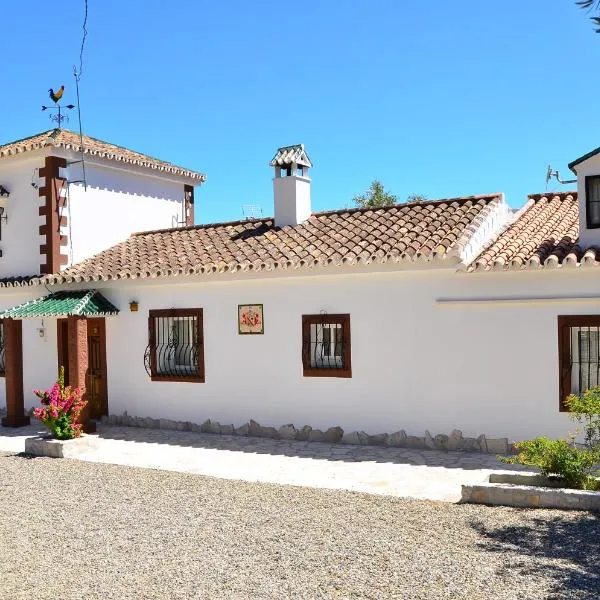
{"x":425,"y":231}
{"x":544,"y":233}
{"x":63,"y":138}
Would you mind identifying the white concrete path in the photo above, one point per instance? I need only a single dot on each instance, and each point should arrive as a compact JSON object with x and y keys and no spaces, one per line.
{"x":423,"y":474}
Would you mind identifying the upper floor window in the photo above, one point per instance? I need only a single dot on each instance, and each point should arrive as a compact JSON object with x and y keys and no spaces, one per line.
{"x":175,"y":349}
{"x":326,"y":346}
{"x":592,"y":201}
{"x":578,"y":354}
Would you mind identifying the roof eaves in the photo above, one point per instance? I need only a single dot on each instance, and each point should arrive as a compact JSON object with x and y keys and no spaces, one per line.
{"x":583,"y":158}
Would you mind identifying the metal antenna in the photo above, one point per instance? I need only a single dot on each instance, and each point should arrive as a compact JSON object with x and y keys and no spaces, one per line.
{"x":550,"y":173}
{"x":252,"y":211}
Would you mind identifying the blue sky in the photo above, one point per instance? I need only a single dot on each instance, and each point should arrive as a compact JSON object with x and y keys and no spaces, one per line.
{"x":437,"y":98}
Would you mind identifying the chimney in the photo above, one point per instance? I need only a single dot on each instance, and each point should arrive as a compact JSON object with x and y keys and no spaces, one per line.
{"x":291,"y":185}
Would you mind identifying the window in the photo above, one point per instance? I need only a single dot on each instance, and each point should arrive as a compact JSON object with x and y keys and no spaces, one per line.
{"x":326,"y":346}
{"x":175,"y":349}
{"x":2,"y":364}
{"x":592,"y":201}
{"x":579,"y":354}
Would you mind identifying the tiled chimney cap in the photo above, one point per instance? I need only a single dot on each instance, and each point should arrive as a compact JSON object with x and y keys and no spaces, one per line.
{"x":288,"y":155}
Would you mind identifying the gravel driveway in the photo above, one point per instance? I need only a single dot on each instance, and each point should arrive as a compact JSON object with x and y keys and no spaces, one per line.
{"x":72,"y":529}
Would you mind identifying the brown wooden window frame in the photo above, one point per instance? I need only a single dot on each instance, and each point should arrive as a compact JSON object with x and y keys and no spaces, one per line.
{"x":199,"y":376}
{"x":326,"y":319}
{"x":565,"y":323}
{"x":2,"y":350}
{"x":588,"y":202}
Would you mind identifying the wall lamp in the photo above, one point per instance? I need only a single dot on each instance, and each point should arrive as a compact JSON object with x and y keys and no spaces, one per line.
{"x":4,"y":193}
{"x":3,"y":217}
{"x":133,"y":306}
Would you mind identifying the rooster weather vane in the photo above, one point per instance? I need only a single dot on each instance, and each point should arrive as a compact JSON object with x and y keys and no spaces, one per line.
{"x":56,"y":110}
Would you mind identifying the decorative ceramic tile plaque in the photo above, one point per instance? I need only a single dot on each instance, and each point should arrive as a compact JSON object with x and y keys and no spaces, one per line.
{"x":250,"y":318}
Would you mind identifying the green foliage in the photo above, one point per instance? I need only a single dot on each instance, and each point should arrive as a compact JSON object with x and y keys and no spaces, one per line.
{"x":585,"y":409}
{"x":416,"y":198}
{"x":375,"y":197}
{"x":591,"y":6}
{"x":558,"y":458}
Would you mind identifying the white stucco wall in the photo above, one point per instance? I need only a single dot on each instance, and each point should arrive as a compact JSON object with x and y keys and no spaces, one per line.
{"x":39,"y":353}
{"x":424,"y":355}
{"x":21,"y":241}
{"x":416,"y":363}
{"x":588,"y":237}
{"x":117,"y":203}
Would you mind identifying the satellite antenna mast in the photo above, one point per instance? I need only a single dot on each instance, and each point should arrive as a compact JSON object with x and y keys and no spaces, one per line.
{"x":550,"y":173}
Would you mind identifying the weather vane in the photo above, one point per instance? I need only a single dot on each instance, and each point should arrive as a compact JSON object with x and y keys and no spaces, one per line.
{"x":56,"y":110}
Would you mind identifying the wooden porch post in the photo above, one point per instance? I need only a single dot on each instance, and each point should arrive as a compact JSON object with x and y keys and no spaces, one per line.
{"x":13,"y":361}
{"x":79,"y":363}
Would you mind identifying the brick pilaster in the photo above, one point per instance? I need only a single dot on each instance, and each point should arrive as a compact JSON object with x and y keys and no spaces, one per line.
{"x":13,"y":361}
{"x":79,"y":362}
{"x":54,"y":202}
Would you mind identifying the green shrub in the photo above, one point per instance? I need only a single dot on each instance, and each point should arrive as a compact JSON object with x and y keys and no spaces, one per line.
{"x":559,"y":458}
{"x":585,"y":409}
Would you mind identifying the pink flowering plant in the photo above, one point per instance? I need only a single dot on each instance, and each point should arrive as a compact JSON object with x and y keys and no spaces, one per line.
{"x":61,"y":409}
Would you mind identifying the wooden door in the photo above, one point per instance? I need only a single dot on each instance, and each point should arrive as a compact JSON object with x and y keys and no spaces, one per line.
{"x":96,"y":385}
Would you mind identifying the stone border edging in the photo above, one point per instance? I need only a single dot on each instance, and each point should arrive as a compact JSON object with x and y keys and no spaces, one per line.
{"x":523,"y":490}
{"x":399,"y":439}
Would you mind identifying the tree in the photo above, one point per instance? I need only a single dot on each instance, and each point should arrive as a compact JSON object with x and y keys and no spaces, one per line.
{"x":591,"y":6}
{"x":375,"y":197}
{"x":416,"y":198}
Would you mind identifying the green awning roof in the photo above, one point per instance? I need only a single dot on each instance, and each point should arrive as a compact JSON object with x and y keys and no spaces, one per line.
{"x":85,"y":303}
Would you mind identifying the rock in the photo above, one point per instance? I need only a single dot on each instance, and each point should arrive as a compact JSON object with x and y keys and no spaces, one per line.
{"x":356,"y":438}
{"x":227,"y":430}
{"x":211,"y":426}
{"x":287,"y":432}
{"x":397,"y":439}
{"x":455,"y":440}
{"x":316,"y":435}
{"x":334,"y":434}
{"x":302,"y":434}
{"x":243,"y":430}
{"x":429,"y":441}
{"x":254,"y":428}
{"x":415,"y":442}
{"x":469,"y":445}
{"x":441,"y":441}
{"x":379,"y":439}
{"x":497,"y":446}
{"x":482,"y":443}
{"x":269,"y":432}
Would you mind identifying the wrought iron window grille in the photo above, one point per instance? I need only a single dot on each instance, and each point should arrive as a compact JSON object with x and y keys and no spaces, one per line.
{"x":175,"y":345}
{"x":326,"y":345}
{"x":579,"y":355}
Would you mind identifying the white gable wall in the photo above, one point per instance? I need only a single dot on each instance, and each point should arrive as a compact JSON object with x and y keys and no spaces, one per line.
{"x":117,"y":203}
{"x":20,"y":243}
